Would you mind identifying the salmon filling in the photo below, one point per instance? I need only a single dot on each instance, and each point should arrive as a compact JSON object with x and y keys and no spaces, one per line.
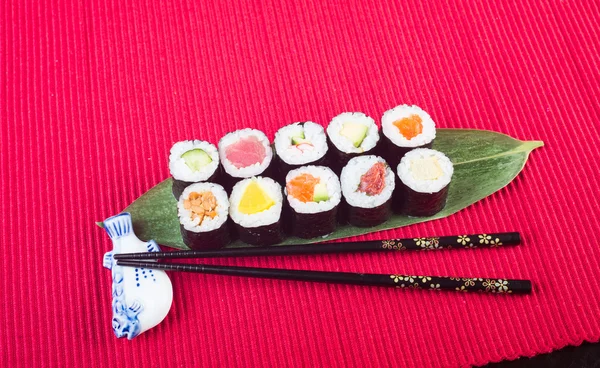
{"x":302,"y":187}
{"x":373,"y":181}
{"x":410,"y":127}
{"x":201,"y":205}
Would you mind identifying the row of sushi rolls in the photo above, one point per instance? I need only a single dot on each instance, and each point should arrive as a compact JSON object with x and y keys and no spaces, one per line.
{"x":313,"y":180}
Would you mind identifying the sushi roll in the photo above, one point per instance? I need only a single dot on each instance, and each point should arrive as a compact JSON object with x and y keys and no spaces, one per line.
{"x":192,"y":162}
{"x":313,"y":194}
{"x":424,"y":177}
{"x":350,"y":134}
{"x":255,"y":208}
{"x":405,"y":128}
{"x":367,"y":186}
{"x":297,"y":145}
{"x":203,"y":209}
{"x":244,"y":153}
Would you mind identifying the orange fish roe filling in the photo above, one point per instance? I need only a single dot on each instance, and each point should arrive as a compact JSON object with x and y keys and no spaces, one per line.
{"x":410,"y":127}
{"x":373,"y":181}
{"x":302,"y":187}
{"x":202,"y":205}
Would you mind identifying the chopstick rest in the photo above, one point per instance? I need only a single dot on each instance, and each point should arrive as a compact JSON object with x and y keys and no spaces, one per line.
{"x":141,"y":297}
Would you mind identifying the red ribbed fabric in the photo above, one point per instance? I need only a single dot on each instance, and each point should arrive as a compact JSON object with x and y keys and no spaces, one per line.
{"x":94,"y":93}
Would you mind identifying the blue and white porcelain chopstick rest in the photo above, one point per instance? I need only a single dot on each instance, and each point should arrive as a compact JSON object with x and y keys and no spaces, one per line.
{"x":141,"y":297}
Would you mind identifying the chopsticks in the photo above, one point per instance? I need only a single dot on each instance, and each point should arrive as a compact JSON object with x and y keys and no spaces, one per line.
{"x":487,"y":285}
{"x":431,"y":243}
{"x":464,"y":284}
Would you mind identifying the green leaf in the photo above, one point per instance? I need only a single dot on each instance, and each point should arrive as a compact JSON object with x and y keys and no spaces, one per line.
{"x":484,"y":162}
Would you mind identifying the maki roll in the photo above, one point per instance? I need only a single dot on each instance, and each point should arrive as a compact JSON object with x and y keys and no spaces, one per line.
{"x":367,"y":187}
{"x":192,"y":162}
{"x":351,"y":134}
{"x":405,"y":128}
{"x":425,"y":176}
{"x":297,"y":145}
{"x":255,"y":208}
{"x":313,"y":194}
{"x":202,"y":211}
{"x":244,"y":153}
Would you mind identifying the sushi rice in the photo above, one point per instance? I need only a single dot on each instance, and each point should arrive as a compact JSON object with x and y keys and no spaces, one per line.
{"x":251,"y":170}
{"x":414,"y":160}
{"x":351,"y":177}
{"x":266,"y":217}
{"x":182,"y":172}
{"x":313,"y":132}
{"x":328,"y":177}
{"x":208,"y":224}
{"x":406,"y":111}
{"x":342,"y":143}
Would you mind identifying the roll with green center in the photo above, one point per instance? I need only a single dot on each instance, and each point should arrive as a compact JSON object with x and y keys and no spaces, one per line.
{"x":192,"y":162}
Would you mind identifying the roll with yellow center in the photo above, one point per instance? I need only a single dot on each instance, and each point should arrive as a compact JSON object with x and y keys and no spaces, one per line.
{"x":255,"y":208}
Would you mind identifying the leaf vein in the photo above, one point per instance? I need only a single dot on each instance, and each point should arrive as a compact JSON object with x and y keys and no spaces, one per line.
{"x":527,"y":147}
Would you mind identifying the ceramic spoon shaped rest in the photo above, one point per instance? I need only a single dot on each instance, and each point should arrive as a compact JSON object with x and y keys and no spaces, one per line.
{"x":141,"y":298}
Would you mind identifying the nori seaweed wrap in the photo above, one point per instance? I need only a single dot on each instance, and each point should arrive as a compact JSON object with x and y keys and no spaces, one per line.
{"x":367,"y":217}
{"x":214,"y":239}
{"x":261,"y":235}
{"x":413,"y":203}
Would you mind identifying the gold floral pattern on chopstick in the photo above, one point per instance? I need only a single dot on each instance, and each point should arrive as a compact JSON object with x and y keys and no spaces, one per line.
{"x":499,"y":286}
{"x":471,"y":241}
{"x":428,"y":243}
{"x":392,"y":245}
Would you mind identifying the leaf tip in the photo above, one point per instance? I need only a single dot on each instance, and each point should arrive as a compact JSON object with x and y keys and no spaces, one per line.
{"x":100,"y":224}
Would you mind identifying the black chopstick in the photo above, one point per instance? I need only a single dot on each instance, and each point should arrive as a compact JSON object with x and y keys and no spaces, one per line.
{"x":431,"y":243}
{"x":488,"y":285}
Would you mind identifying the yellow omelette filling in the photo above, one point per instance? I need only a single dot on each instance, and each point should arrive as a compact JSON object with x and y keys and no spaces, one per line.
{"x":426,"y":168}
{"x":254,"y":200}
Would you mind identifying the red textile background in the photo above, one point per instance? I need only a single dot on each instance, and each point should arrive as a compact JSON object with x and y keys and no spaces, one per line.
{"x":95,"y":92}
